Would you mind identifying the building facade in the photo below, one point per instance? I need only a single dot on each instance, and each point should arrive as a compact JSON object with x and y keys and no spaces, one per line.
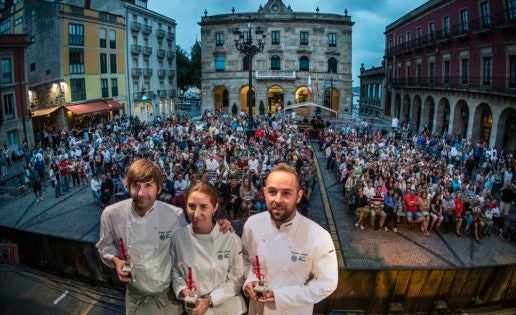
{"x":15,"y":123}
{"x":301,"y":51}
{"x":76,"y":63}
{"x":371,"y":91}
{"x":451,"y":66}
{"x":151,"y":58}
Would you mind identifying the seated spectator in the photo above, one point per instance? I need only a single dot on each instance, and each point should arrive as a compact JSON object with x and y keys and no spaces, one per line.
{"x":363,"y":209}
{"x":377,"y":203}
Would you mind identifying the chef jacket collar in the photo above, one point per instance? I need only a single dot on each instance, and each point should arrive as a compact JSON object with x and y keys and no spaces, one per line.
{"x":287,"y":226}
{"x":146,"y":213}
{"x":213,"y":234}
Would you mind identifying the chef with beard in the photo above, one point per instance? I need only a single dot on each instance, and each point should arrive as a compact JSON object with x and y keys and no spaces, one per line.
{"x":296,"y":255}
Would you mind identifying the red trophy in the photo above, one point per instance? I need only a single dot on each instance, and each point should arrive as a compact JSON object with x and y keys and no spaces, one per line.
{"x":128,"y":265}
{"x":261,"y":287}
{"x":191,"y":299}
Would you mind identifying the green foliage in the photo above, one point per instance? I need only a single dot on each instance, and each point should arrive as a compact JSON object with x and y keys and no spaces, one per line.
{"x":234,"y":109}
{"x":188,"y":66}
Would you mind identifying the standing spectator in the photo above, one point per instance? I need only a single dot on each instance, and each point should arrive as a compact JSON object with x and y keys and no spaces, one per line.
{"x":39,"y":167}
{"x":507,"y":197}
{"x":53,"y":173}
{"x":36,"y":185}
{"x":233,"y":198}
{"x":63,"y":175}
{"x":106,"y":189}
{"x":96,"y":186}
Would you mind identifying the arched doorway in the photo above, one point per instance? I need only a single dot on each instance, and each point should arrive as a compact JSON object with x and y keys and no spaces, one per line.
{"x":460,"y":119}
{"x":275,"y":98}
{"x":416,"y":114}
{"x":443,"y":116}
{"x":506,"y":130}
{"x":301,"y":95}
{"x":483,"y":118}
{"x":397,"y":106}
{"x":428,"y":114}
{"x":332,"y":98}
{"x":243,"y":99}
{"x":405,"y":116}
{"x":221,"y":98}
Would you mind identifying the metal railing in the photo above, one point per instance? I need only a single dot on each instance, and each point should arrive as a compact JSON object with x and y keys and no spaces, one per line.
{"x":136,"y":72}
{"x":161,"y":53}
{"x":478,"y":84}
{"x":160,"y":33}
{"x":275,"y":74}
{"x":136,"y":27}
{"x":136,"y":49}
{"x":147,"y":29}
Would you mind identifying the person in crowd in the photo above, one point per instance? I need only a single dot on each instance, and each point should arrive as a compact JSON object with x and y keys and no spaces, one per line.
{"x":391,"y":210}
{"x":53,"y":173}
{"x":96,"y":188}
{"x":247,"y":194}
{"x":362,"y":208}
{"x":233,"y":199}
{"x":412,"y":212}
{"x":424,"y":208}
{"x":145,"y":227}
{"x":376,"y":203}
{"x":297,"y":255}
{"x":214,"y":258}
{"x":459,"y":212}
{"x":107,"y":188}
{"x":448,"y":206}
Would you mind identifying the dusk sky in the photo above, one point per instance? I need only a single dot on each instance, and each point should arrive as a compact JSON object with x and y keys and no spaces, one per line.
{"x":370,"y":17}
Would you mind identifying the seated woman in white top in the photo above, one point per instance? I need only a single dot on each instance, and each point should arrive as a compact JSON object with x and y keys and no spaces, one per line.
{"x":215,"y":258}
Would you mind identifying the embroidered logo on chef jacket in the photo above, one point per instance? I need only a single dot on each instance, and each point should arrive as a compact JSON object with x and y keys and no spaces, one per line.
{"x":298,"y":257}
{"x":223,"y":254}
{"x":163,"y":235}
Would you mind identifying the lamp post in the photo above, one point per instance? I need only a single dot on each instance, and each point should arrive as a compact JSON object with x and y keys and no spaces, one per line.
{"x":250,"y":46}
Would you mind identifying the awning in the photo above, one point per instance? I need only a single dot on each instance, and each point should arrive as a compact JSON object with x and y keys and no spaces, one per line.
{"x":94,"y":107}
{"x":44,"y":111}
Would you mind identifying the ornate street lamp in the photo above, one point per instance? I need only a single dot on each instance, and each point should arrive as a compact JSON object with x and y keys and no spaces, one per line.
{"x":249,"y":46}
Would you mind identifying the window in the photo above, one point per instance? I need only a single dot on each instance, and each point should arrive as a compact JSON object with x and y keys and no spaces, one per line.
{"x":146,"y":63}
{"x":135,"y":62}
{"x":431,"y":30}
{"x":76,"y":60}
{"x":5,"y":26}
{"x":419,"y":34}
{"x":114,"y":87}
{"x":408,"y":37}
{"x":275,"y":37}
{"x":332,"y":39}
{"x":303,"y":38}
{"x":275,"y":62}
{"x":112,"y":39}
{"x":76,"y":34}
{"x":104,"y":87}
{"x":431,"y":72}
{"x":511,"y":11}
{"x":12,"y":137}
{"x":304,"y":63}
{"x":486,"y":73}
{"x":18,"y":21}
{"x":245,"y":63}
{"x":512,"y":72}
{"x":446,"y":25}
{"x":464,"y":20}
{"x":464,"y":70}
{"x":219,"y":39}
{"x":78,"y":89}
{"x":9,"y":107}
{"x":391,"y":44}
{"x":332,"y":65}
{"x":446,"y":71}
{"x":103,"y":63}
{"x":32,"y":67}
{"x":485,"y":15}
{"x":7,"y":70}
{"x":102,"y":38}
{"x":418,"y":73}
{"x":400,"y":40}
{"x":219,"y":63}
{"x":112,"y":63}
{"x":409,"y":73}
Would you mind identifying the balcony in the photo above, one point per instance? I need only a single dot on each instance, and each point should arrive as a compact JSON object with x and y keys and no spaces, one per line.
{"x":161,"y":53}
{"x":171,"y":93}
{"x":482,"y":25}
{"x":443,"y":35}
{"x":171,"y":74}
{"x":506,"y":19}
{"x":136,"y":49}
{"x":138,"y":95}
{"x":162,"y":93}
{"x":457,"y":83}
{"x":160,"y":33}
{"x":136,"y":27}
{"x":162,"y":73}
{"x":170,"y":36}
{"x":136,"y":72}
{"x":171,"y":54}
{"x":147,"y":29}
{"x":275,"y":74}
{"x":147,"y":50}
{"x":460,"y":31}
{"x":147,"y":72}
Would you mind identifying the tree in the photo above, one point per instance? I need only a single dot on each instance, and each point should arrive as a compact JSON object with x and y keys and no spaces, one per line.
{"x":261,"y":108}
{"x":183,"y":68}
{"x":195,"y":64}
{"x":234,"y":109}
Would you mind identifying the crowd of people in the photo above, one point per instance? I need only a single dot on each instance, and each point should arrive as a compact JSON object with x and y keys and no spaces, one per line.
{"x":433,"y":182}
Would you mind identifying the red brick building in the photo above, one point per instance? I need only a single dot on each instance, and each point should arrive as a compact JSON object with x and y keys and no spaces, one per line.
{"x":451,"y":66}
{"x":15,"y":119}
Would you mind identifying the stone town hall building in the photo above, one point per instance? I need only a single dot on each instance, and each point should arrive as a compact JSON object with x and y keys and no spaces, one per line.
{"x":298,"y":46}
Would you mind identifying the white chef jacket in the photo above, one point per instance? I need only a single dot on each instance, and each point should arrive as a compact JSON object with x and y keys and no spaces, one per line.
{"x":298,"y":260}
{"x":147,"y":240}
{"x":217,"y":267}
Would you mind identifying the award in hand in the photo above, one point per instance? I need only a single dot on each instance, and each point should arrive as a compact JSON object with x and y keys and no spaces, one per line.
{"x":191,"y":299}
{"x":261,"y":287}
{"x":128,"y":265}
